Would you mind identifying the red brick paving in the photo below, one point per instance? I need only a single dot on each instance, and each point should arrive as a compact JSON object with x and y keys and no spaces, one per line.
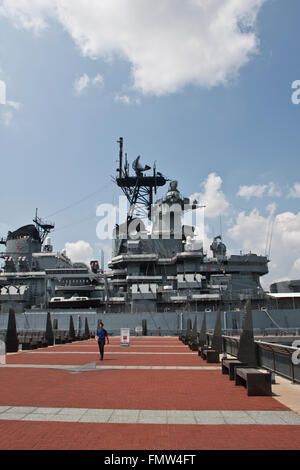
{"x":115,"y":348}
{"x":80,"y":436}
{"x":121,"y":359}
{"x":132,"y":389}
{"x":129,"y":389}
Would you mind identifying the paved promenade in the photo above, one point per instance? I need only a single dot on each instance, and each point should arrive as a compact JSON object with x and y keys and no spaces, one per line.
{"x":155,"y":395}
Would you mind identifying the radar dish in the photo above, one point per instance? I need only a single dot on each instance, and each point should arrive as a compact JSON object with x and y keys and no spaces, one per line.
{"x":138,"y":168}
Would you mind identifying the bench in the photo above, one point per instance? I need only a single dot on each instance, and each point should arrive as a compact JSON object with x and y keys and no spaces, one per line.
{"x":211,"y":356}
{"x":228,"y":366}
{"x":25,"y":341}
{"x":41,"y":340}
{"x":193,"y":345}
{"x":33,"y":344}
{"x":258,"y":382}
{"x":201,"y":349}
{"x":68,"y":338}
{"x":59,"y":337}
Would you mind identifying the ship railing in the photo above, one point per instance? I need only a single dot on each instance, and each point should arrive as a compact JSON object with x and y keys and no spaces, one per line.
{"x":23,"y":334}
{"x":280,"y":359}
{"x":37,"y":336}
{"x":64,"y":336}
{"x":258,"y":332}
{"x":150,"y":332}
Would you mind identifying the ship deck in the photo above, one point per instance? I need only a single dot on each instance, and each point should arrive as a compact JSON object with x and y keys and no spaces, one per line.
{"x":154,"y":395}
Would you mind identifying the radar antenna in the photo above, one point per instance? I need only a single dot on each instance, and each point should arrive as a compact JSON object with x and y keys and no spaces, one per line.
{"x":44,"y":228}
{"x":269,"y":237}
{"x":138,"y":188}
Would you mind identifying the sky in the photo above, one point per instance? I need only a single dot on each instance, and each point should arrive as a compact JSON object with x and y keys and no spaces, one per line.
{"x":207,"y":89}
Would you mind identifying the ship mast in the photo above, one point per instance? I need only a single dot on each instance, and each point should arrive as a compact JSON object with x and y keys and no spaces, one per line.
{"x":138,"y":188}
{"x":44,"y":228}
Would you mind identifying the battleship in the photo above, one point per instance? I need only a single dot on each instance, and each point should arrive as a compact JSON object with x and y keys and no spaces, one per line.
{"x":161,"y":274}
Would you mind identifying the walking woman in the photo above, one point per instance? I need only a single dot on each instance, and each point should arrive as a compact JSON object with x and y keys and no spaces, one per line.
{"x":102,"y":334}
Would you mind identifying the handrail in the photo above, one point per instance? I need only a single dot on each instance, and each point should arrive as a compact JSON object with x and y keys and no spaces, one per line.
{"x":275,"y":364}
{"x":276,"y":347}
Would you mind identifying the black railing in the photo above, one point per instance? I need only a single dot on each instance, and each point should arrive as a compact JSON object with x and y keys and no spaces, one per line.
{"x":150,"y":332}
{"x":263,"y":332}
{"x":38,"y":336}
{"x":277,"y":358}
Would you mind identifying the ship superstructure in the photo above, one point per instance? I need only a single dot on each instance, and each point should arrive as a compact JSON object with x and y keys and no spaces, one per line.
{"x":158,"y":261}
{"x":165,"y":268}
{"x":34,"y":274}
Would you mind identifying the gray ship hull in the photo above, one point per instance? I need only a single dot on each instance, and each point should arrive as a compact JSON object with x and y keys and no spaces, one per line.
{"x":165,"y":323}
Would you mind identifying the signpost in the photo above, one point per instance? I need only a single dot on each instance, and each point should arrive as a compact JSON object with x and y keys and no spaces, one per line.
{"x":125,"y":337}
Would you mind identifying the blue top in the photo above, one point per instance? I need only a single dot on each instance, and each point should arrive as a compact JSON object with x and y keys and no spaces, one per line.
{"x":101,"y":334}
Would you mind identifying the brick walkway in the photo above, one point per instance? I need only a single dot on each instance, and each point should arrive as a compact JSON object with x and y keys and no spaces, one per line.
{"x":145,"y":397}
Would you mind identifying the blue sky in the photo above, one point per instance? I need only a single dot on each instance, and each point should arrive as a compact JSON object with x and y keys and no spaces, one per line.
{"x":58,"y":145}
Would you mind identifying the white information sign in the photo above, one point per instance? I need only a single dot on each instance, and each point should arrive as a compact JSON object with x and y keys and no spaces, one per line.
{"x":139,"y":330}
{"x":125,"y":336}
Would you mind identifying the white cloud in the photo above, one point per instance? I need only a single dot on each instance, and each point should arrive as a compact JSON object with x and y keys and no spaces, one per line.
{"x":259,"y":190}
{"x":2,"y":92}
{"x":6,"y":106}
{"x":255,"y":233}
{"x":274,"y":191}
{"x":250,"y":191}
{"x":125,"y":99}
{"x":83,"y":82}
{"x":294,"y":191}
{"x":28,"y":14}
{"x":271,"y":209}
{"x":14,"y":104}
{"x":7,"y":114}
{"x":250,"y":231}
{"x":288,"y":227}
{"x":7,"y":117}
{"x":98,"y":80}
{"x":296,"y":268}
{"x":79,"y":251}
{"x":212,"y":197}
{"x":168,"y":43}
